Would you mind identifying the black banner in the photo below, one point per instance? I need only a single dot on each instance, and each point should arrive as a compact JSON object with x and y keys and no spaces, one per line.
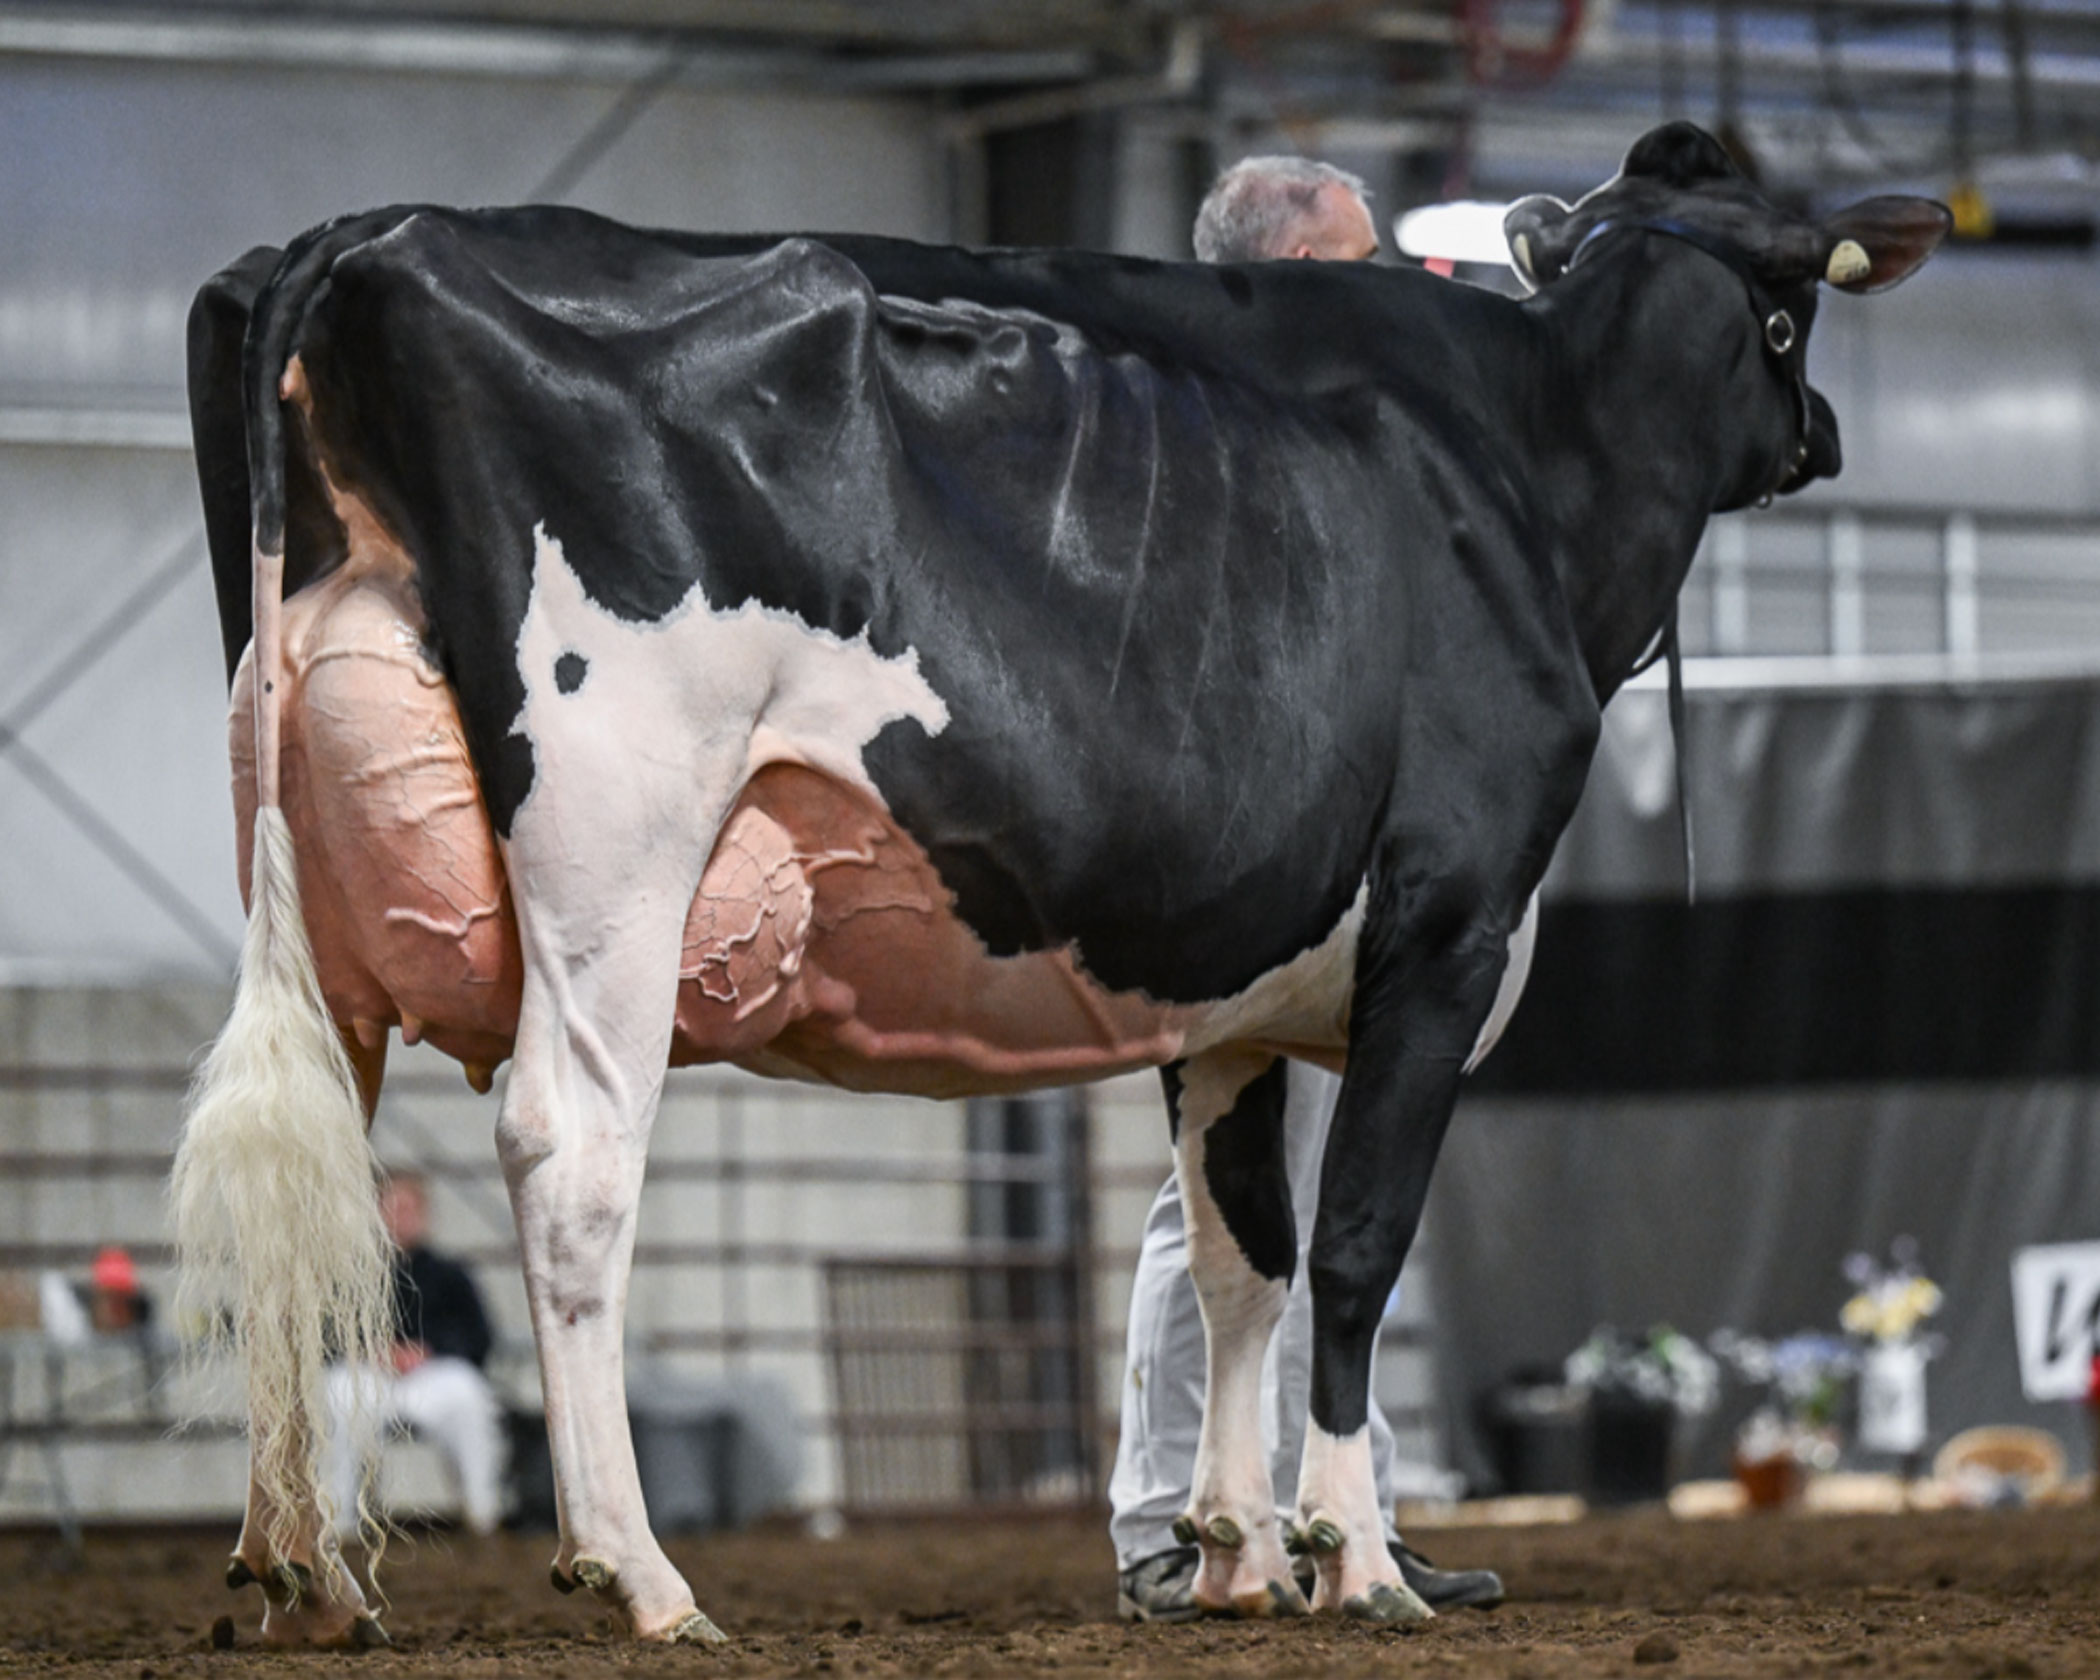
{"x":1894,"y":984}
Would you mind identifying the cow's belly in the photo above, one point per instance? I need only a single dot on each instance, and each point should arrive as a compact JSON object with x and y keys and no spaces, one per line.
{"x":821,"y":943}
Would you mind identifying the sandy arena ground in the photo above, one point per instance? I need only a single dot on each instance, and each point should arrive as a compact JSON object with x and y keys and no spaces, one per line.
{"x":1958,"y":1594}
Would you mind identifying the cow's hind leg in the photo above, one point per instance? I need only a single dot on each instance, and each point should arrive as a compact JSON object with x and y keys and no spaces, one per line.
{"x":593,"y":1035}
{"x":1228,"y":1153}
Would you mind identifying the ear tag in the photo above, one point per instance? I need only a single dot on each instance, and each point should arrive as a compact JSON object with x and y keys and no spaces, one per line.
{"x":1849,"y":262}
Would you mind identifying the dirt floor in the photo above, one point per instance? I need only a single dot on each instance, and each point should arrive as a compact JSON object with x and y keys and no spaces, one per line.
{"x":1964,"y":1594}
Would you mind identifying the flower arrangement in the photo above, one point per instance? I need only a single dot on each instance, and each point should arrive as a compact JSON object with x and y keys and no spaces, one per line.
{"x":1663,"y":1368}
{"x":1805,"y":1377}
{"x":1891,"y":1302}
{"x":1886,"y":1316}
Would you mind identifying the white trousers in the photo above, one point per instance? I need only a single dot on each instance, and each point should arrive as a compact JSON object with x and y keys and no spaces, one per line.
{"x":1163,"y":1377}
{"x":447,"y":1402}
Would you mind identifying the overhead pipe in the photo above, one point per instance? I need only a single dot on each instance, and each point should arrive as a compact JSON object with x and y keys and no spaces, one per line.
{"x":516,"y":51}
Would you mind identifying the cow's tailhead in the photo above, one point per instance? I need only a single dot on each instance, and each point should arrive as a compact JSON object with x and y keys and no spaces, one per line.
{"x":1679,"y":180}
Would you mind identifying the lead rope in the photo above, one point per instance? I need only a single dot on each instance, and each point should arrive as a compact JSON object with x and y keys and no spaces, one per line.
{"x":1675,"y":654}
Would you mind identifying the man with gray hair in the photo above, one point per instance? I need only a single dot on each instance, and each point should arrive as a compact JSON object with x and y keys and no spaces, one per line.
{"x":1261,"y":208}
{"x":1266,"y":207}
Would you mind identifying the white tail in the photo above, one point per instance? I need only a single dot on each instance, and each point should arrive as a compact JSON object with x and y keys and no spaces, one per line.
{"x":277,"y":1224}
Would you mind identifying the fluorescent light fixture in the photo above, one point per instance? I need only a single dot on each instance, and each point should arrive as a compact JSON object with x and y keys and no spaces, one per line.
{"x":1460,"y":232}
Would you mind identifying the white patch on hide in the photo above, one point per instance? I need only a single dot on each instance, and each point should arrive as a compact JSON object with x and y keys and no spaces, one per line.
{"x":1304,"y":1002}
{"x":1515,"y":972}
{"x":676,"y":697}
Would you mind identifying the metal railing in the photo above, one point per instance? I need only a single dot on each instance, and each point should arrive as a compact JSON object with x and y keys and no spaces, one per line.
{"x":1931,"y":579}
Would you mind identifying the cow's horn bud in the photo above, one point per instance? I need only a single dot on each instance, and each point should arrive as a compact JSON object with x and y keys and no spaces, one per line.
{"x":1849,"y":262}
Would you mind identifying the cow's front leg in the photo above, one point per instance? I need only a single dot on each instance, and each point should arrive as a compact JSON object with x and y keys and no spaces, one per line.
{"x":1414,"y":1020}
{"x":1242,"y":1246}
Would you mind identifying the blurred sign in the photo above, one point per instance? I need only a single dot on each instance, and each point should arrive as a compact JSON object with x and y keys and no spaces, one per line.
{"x":2056,"y":1317}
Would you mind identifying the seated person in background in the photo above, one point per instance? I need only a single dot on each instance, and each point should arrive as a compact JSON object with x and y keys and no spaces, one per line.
{"x":435,"y":1385}
{"x":111,"y":1302}
{"x":115,"y":1301}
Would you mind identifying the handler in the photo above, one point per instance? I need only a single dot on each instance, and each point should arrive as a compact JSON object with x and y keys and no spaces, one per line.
{"x":1263,"y":207}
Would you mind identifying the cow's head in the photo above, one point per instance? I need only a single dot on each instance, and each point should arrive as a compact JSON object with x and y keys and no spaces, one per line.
{"x":1679,"y":180}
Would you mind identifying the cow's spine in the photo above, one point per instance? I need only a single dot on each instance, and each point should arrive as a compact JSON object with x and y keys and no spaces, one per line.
{"x":282,"y":1250}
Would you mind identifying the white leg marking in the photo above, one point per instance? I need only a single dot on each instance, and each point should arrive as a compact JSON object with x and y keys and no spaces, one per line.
{"x":1232,"y":1503}
{"x":1338,"y":1512}
{"x":1514,"y":973}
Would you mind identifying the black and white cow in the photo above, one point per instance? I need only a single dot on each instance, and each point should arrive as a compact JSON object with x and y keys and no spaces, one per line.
{"x":940,"y":671}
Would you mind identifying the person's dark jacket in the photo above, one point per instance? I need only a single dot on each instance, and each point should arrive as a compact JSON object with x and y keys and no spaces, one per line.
{"x":436,"y":1303}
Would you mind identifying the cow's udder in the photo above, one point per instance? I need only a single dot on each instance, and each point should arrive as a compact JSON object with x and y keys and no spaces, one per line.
{"x":821,"y":943}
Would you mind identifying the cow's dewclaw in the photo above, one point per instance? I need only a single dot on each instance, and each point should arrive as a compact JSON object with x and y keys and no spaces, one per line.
{"x":1223,"y":1531}
{"x":593,"y":1573}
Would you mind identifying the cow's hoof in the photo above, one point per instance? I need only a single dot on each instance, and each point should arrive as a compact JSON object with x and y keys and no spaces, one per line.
{"x":562,"y":1583}
{"x":1388,"y":1605}
{"x":696,"y":1629}
{"x":239,"y":1575}
{"x":1277,"y":1598}
{"x":367,"y":1635}
{"x":593,"y":1573}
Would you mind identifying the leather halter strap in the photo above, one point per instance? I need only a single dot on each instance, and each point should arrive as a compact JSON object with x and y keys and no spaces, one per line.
{"x":1786,"y":346}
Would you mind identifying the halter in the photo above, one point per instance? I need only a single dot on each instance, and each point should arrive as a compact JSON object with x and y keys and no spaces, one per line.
{"x":1788,"y":352}
{"x":1784,"y":344}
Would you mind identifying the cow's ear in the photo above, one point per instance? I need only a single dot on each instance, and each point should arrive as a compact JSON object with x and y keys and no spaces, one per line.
{"x":1679,"y":154}
{"x":1879,"y":241}
{"x":1540,"y":239}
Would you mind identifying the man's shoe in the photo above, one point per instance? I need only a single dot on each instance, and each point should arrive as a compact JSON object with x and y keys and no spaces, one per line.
{"x":1440,"y":1589}
{"x":1160,"y":1588}
{"x":1446,"y":1589}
